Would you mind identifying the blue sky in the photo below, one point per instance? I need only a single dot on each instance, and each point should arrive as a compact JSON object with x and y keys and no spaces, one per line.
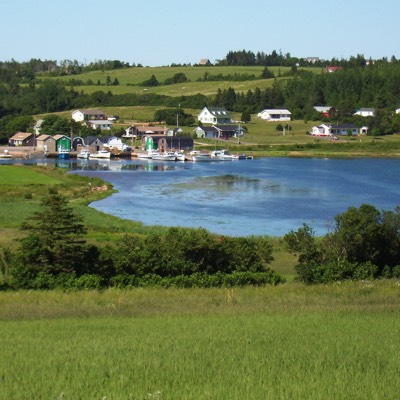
{"x":161,"y":32}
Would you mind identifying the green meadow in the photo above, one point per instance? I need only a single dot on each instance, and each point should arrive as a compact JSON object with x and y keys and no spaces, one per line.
{"x":287,"y":342}
{"x":130,"y":79}
{"x":291,"y":341}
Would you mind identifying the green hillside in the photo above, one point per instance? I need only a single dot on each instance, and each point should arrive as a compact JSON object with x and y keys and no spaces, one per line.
{"x":130,"y":79}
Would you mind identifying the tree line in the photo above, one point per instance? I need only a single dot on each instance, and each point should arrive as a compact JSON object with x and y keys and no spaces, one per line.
{"x":54,"y":253}
{"x":278,"y":59}
{"x":375,"y":85}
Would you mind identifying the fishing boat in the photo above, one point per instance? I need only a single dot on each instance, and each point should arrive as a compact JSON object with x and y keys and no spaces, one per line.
{"x":180,"y":155}
{"x":63,"y":154}
{"x":84,"y":153}
{"x":221,"y":155}
{"x":100,"y":154}
{"x":167,"y":156}
{"x":148,"y":154}
{"x":199,"y":156}
{"x":5,"y":154}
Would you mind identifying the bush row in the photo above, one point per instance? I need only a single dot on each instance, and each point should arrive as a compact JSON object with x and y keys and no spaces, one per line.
{"x":46,"y":281}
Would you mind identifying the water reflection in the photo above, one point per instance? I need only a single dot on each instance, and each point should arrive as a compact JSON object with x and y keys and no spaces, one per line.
{"x":262,"y":196}
{"x":115,"y":166}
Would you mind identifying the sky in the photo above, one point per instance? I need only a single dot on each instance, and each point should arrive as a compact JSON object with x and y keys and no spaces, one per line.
{"x":162,"y":32}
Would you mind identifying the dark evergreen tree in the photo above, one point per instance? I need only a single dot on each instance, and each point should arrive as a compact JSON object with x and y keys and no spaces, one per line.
{"x":55,"y":242}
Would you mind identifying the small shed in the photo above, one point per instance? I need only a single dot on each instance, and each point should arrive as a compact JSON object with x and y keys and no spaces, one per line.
{"x":62,"y":142}
{"x":40,"y":140}
{"x":94,"y":143}
{"x":22,"y":139}
{"x":77,"y":143}
{"x":49,"y":145}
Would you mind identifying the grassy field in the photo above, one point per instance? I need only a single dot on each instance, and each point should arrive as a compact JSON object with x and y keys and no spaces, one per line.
{"x":129,"y":80}
{"x":291,"y":341}
{"x":287,"y":342}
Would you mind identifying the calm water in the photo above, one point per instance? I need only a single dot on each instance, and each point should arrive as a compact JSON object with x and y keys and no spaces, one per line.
{"x":267,"y":196}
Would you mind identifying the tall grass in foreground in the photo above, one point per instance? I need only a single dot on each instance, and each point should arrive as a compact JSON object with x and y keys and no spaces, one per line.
{"x":287,"y":342}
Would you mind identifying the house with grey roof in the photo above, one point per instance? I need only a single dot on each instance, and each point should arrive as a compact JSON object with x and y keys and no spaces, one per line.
{"x":87,"y":115}
{"x":101,"y":124}
{"x":214,"y":115}
{"x":206,"y":132}
{"x":272,"y":115}
{"x":365,"y":112}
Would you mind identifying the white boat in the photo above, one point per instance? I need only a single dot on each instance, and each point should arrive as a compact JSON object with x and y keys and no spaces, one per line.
{"x":167,"y":156}
{"x":100,"y":154}
{"x":5,"y":154}
{"x":199,"y":156}
{"x":222,"y":155}
{"x":180,"y":155}
{"x":148,"y":155}
{"x":84,"y":153}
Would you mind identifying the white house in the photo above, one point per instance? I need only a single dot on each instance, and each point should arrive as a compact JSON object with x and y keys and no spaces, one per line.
{"x":397,"y":110}
{"x":87,"y":115}
{"x":275,"y":115}
{"x":112,"y":142}
{"x":365,"y":112}
{"x":214,"y":115}
{"x":206,"y":132}
{"x":336,"y":129}
{"x":321,"y":130}
{"x":102,"y":124}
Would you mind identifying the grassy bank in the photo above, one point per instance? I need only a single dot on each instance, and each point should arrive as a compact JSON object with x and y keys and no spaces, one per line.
{"x":288,"y":342}
{"x":22,"y":188}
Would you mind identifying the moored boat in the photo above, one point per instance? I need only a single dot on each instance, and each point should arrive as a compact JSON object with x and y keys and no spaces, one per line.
{"x":148,"y":154}
{"x":199,"y":156}
{"x":180,"y":155}
{"x":84,"y":153}
{"x":5,"y":154}
{"x":222,"y":155}
{"x":100,"y":154}
{"x":63,"y":154}
{"x":167,"y":156}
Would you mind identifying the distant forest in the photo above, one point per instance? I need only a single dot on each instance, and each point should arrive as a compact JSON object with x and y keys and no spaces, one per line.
{"x":359,"y":83}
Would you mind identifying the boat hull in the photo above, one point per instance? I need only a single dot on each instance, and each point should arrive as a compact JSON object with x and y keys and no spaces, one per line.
{"x":100,"y":155}
{"x":164,"y":157}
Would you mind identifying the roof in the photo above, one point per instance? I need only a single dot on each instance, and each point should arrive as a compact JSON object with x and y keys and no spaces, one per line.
{"x":21,"y":136}
{"x":343,"y":126}
{"x":218,"y":111}
{"x":90,"y":139}
{"x":100,"y":122}
{"x":276,"y":111}
{"x":204,"y":61}
{"x":322,"y":108}
{"x":43,"y":137}
{"x":57,"y":137}
{"x":151,"y":129}
{"x":107,"y":138}
{"x":207,"y":128}
{"x":90,"y":112}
